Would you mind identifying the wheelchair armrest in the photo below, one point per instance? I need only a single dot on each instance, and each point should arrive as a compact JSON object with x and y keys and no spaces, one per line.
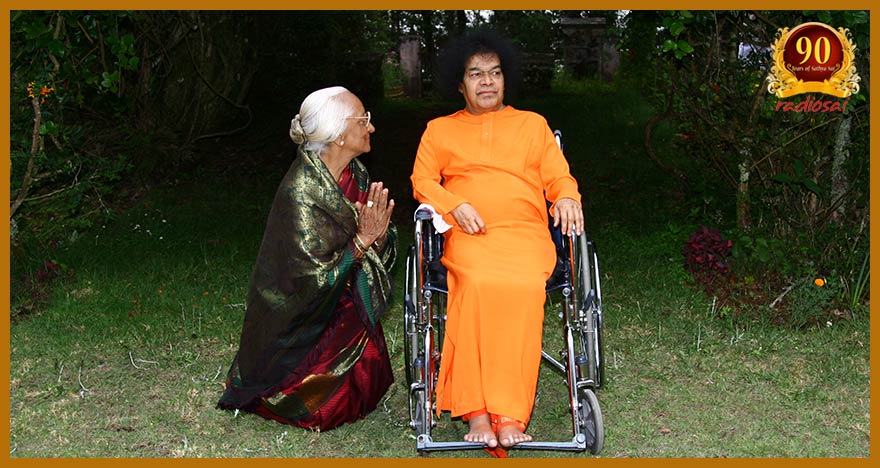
{"x":423,"y":215}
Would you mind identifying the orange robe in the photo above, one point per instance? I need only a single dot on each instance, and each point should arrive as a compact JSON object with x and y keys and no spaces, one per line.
{"x":504,"y":163}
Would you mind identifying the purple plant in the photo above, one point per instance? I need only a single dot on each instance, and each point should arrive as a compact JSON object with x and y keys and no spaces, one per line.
{"x":706,"y":255}
{"x":49,"y":271}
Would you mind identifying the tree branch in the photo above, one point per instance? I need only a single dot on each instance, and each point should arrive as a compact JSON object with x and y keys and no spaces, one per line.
{"x":50,"y":194}
{"x":56,"y":35}
{"x":36,"y":146}
{"x":649,"y":149}
{"x":797,"y":137}
{"x":221,"y":96}
{"x":85,"y":32}
{"x":765,"y":19}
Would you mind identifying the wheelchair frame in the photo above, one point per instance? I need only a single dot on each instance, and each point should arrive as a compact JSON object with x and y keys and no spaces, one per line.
{"x":576,"y":276}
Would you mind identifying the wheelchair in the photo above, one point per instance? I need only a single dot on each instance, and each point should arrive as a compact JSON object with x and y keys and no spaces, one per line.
{"x":576,"y":276}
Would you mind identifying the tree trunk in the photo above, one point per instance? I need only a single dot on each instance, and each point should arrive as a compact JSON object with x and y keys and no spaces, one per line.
{"x":427,"y":33}
{"x":209,"y":69}
{"x":460,"y":22}
{"x":839,"y":182}
{"x":743,"y":211}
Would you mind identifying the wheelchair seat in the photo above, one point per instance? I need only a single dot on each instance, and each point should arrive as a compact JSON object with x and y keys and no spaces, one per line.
{"x":436,"y":273}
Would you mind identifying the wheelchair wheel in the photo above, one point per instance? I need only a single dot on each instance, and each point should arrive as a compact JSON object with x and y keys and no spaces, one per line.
{"x":588,"y":346}
{"x":590,"y":417}
{"x":596,"y":316}
{"x":410,"y":341}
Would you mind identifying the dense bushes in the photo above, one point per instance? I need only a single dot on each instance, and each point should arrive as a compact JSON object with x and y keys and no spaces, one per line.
{"x":790,"y":190}
{"x":106,"y":104}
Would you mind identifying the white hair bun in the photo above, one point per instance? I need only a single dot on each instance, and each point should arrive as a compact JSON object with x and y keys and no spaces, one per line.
{"x":297,"y":134}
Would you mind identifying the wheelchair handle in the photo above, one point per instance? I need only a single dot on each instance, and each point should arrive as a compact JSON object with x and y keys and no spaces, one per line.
{"x":423,"y":215}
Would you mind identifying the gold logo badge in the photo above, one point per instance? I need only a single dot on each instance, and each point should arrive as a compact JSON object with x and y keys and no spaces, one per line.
{"x":813,"y":58}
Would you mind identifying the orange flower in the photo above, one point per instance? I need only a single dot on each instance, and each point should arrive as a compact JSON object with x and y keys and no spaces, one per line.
{"x":819,"y":282}
{"x":45,"y":90}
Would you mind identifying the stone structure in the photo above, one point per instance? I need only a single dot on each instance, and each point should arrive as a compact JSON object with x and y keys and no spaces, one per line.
{"x":587,"y":49}
{"x":411,"y":66}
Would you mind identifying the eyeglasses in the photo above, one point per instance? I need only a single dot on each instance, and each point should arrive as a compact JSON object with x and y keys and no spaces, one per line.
{"x":362,"y":117}
{"x":475,"y":75}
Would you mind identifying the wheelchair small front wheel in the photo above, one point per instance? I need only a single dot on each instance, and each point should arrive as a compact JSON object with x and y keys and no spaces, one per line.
{"x":418,"y":418}
{"x":590,"y":418}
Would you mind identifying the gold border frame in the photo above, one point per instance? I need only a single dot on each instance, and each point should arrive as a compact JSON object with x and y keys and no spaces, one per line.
{"x":783,"y":83}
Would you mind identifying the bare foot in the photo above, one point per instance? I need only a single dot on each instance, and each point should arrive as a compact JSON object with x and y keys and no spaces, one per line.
{"x":510,"y":435}
{"x":481,"y":431}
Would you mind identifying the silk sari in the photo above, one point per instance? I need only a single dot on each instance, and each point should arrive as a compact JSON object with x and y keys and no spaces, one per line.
{"x":312,"y":352}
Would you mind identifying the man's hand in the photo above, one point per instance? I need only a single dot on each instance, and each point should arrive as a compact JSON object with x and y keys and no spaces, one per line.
{"x":468,"y":219}
{"x":568,"y":214}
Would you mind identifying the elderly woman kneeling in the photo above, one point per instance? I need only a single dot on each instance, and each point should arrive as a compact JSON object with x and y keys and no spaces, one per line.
{"x":312,"y":351}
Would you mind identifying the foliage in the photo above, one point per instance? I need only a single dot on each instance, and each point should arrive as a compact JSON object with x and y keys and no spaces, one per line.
{"x":306,"y":50}
{"x":675,"y":24}
{"x":34,"y":289}
{"x":812,"y":302}
{"x":534,"y":32}
{"x":91,"y":127}
{"x":707,"y":256}
{"x":855,"y":273}
{"x":63,"y":165}
{"x":392,"y":74}
{"x":856,"y":283}
{"x":531,"y":30}
{"x":758,"y":251}
{"x":784,"y":181}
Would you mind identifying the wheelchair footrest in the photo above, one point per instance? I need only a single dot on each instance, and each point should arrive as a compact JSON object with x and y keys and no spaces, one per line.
{"x":578,"y":444}
{"x":425,"y":443}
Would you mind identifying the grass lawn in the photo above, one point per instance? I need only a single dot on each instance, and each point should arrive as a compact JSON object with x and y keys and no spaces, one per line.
{"x":129,"y":357}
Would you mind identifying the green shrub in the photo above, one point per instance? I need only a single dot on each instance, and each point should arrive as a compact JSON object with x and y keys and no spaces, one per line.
{"x":812,"y":302}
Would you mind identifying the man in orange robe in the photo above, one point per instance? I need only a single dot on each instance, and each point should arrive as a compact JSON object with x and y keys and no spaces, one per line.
{"x":489,"y":170}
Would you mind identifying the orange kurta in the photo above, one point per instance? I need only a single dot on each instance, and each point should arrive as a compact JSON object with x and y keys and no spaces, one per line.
{"x":504,"y":163}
